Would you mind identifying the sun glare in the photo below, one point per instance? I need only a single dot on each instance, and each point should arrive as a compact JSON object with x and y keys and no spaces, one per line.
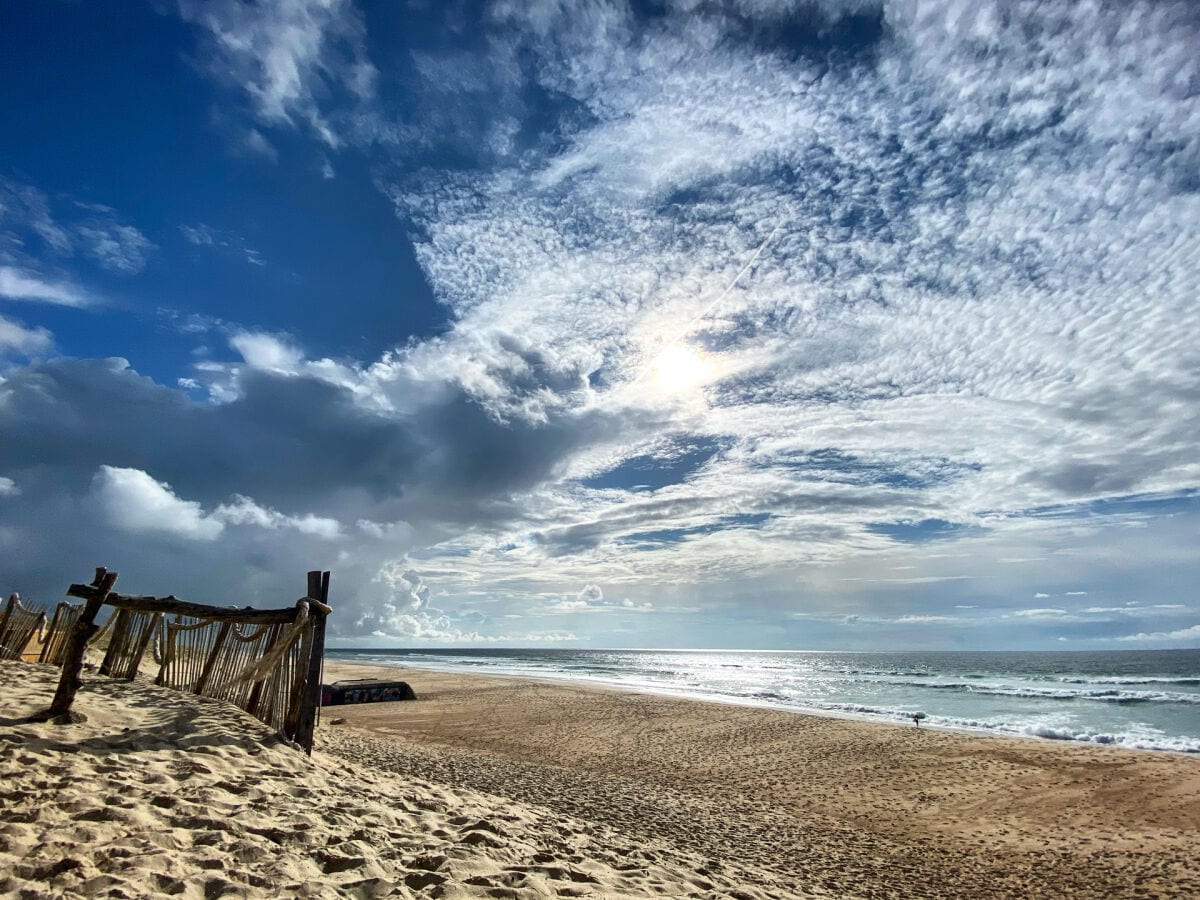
{"x":680,"y":368}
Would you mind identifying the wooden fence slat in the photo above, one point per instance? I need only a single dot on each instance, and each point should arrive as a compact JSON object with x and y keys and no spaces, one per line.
{"x":143,"y":642}
{"x":116,"y":642}
{"x":213,"y":656}
{"x":55,"y":636}
{"x":18,"y":628}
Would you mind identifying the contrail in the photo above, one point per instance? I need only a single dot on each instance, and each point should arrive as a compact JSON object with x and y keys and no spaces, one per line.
{"x":703,"y":314}
{"x":746,"y":268}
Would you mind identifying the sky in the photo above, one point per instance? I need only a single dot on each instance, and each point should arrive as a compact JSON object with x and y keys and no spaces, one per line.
{"x":750,"y":324}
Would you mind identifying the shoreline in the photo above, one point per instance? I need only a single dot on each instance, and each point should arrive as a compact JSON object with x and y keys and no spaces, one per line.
{"x":752,"y":703}
{"x":996,"y":817}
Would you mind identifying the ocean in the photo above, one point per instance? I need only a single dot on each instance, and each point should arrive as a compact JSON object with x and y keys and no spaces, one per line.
{"x":1144,"y":699}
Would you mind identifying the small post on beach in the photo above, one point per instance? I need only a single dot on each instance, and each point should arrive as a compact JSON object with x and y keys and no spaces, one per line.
{"x":85,"y":627}
{"x":13,"y":599}
{"x":318,"y":590}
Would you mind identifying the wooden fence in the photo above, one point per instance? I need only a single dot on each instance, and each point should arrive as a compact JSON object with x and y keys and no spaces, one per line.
{"x":19,"y":627}
{"x":266,"y":661}
{"x":54,"y":644}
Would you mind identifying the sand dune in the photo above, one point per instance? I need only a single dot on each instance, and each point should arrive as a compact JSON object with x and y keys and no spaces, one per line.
{"x":159,"y":793}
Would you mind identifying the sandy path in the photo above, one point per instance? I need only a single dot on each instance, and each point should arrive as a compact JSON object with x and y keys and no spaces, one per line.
{"x":852,"y":807}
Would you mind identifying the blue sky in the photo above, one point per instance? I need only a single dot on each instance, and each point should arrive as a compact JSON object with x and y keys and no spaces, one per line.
{"x":749,"y":324}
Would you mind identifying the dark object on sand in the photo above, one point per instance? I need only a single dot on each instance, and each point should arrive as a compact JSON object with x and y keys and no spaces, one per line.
{"x":341,"y":693}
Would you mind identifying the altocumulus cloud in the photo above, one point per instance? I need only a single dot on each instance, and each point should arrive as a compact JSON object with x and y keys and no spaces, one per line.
{"x":937,"y":264}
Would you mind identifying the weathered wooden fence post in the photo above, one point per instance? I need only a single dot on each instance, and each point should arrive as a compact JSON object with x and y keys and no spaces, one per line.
{"x":85,"y":628}
{"x":318,"y":608}
{"x":8,"y":611}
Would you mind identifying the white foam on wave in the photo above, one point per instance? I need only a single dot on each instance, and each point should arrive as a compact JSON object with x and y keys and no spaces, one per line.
{"x":1100,"y":695}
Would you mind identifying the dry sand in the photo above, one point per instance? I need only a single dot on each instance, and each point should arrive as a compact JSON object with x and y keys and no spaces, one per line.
{"x":496,"y":787}
{"x":165,"y":794}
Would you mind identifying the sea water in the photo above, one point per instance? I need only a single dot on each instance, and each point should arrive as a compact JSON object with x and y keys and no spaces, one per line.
{"x":1146,"y":699}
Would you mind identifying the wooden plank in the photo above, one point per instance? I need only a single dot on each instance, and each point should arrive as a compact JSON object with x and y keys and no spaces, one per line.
{"x":171,"y":604}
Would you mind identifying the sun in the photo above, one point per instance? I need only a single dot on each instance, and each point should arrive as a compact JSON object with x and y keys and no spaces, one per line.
{"x":679,"y":368}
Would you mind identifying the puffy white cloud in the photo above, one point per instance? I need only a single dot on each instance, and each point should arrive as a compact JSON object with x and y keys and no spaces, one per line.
{"x":244,"y":511}
{"x":8,"y":487}
{"x":265,"y":351}
{"x":16,"y":338}
{"x":591,"y":593}
{"x":1191,"y":633}
{"x":134,"y":501}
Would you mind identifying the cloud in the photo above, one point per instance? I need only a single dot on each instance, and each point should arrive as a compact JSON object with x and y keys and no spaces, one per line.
{"x":8,"y":487}
{"x":591,"y":594}
{"x":1182,"y":634}
{"x":914,"y":339}
{"x":254,"y":143}
{"x":286,"y":56}
{"x":940,"y":268}
{"x":118,"y":248}
{"x":201,"y":235}
{"x":134,"y":501}
{"x":16,"y":284}
{"x":244,"y":511}
{"x":268,"y":352}
{"x":36,"y":231}
{"x":15,"y":338}
{"x":23,"y":206}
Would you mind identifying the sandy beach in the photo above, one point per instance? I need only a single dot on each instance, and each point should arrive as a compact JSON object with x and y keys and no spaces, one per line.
{"x":502,"y":787}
